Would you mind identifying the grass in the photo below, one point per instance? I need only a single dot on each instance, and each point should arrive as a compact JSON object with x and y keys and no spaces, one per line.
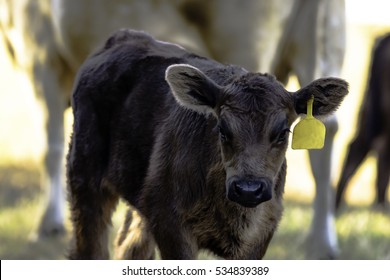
{"x":363,"y":233}
{"x":20,"y":207}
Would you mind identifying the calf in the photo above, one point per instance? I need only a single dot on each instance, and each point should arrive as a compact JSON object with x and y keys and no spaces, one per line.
{"x":373,"y":131}
{"x":49,"y":39}
{"x":196,"y":146}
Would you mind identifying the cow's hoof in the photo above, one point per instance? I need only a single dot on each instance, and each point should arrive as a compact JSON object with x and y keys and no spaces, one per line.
{"x":381,"y":207}
{"x":322,"y":245}
{"x":51,"y":231}
{"x":51,"y":226}
{"x":327,"y":254}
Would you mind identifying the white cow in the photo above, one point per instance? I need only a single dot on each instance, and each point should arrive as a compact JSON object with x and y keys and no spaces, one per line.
{"x":302,"y":37}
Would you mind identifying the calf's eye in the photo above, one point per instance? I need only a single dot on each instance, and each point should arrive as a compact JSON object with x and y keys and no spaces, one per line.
{"x":222,"y":134}
{"x":283,"y":136}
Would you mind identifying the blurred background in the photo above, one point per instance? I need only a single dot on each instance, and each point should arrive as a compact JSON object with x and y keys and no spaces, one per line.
{"x":363,"y":232}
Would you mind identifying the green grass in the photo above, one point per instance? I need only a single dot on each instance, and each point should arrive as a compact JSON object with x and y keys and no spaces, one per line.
{"x":20,"y":209}
{"x":363,"y":233}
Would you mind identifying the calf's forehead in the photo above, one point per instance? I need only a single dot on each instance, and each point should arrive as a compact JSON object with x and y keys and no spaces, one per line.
{"x":258,"y":99}
{"x":271,"y":120}
{"x":255,"y":92}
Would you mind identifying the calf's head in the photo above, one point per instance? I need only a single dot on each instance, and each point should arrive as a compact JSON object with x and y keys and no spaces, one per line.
{"x":254,"y":113}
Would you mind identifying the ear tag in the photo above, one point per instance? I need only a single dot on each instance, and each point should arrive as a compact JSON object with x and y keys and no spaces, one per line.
{"x":309,"y":133}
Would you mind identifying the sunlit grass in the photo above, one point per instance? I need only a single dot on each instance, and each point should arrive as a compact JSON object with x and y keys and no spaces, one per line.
{"x":289,"y":240}
{"x":366,"y":234}
{"x":15,"y":222}
{"x":17,"y":226}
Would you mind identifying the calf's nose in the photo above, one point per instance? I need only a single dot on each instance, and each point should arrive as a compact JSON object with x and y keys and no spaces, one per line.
{"x":249,"y":192}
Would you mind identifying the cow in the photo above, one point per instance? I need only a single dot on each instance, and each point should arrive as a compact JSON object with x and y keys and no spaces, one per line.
{"x":301,"y":37}
{"x":197,"y":147}
{"x":373,"y":130}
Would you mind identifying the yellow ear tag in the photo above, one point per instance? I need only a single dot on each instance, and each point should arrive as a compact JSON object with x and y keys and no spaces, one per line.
{"x":309,"y":133}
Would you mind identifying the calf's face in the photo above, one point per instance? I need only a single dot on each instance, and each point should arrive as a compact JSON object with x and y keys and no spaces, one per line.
{"x":254,"y":114}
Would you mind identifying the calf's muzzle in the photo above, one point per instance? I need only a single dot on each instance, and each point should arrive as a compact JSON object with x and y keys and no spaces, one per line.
{"x":249,"y":192}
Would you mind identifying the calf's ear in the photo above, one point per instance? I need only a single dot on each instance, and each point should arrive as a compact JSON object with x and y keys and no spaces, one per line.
{"x":328,"y":94}
{"x":192,"y":88}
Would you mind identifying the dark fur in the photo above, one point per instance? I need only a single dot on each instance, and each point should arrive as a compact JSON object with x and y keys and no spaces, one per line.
{"x":131,"y":139}
{"x":373,"y":131}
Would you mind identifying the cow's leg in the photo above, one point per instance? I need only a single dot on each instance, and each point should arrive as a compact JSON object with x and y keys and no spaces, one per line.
{"x":321,"y":55}
{"x":383,"y":169}
{"x":134,"y":240}
{"x":322,"y":240}
{"x":356,"y":153}
{"x":52,"y":222}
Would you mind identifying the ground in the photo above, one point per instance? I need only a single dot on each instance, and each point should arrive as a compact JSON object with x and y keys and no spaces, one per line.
{"x":363,"y":233}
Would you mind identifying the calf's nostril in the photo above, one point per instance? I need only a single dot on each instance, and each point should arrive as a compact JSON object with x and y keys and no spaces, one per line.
{"x":259,"y":190}
{"x":237,"y":188}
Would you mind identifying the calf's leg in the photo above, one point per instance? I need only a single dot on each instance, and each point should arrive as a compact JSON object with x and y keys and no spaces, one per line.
{"x":91,"y":215}
{"x":134,"y":240}
{"x":173,"y":239}
{"x":92,"y":198}
{"x":175,"y":244}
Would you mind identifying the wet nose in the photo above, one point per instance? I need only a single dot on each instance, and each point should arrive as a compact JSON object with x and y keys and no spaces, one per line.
{"x":249,"y":192}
